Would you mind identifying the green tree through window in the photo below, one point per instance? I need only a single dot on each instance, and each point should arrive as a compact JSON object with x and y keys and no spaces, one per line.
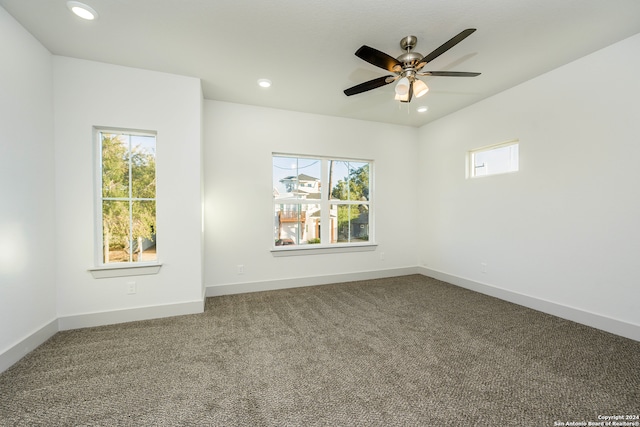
{"x":353,"y":218}
{"x":128,"y":186}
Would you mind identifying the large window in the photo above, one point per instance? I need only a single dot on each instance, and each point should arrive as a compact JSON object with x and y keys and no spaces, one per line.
{"x":321,"y":201}
{"x":127,"y":196}
{"x":493,"y":160}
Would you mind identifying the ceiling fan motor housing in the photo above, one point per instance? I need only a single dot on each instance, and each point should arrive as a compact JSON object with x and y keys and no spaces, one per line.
{"x":409,"y":59}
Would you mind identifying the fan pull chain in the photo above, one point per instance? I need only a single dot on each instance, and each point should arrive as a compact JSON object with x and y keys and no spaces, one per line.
{"x":408,"y":104}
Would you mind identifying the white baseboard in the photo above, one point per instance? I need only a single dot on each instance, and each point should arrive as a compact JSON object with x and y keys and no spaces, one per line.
{"x":614,"y":326}
{"x":12,"y":355}
{"x":9,"y":357}
{"x":272,"y":285}
{"x":87,"y":320}
{"x":19,"y":350}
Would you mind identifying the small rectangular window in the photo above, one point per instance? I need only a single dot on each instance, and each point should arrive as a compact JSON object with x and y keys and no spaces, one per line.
{"x":493,"y":160}
{"x":127,"y":196}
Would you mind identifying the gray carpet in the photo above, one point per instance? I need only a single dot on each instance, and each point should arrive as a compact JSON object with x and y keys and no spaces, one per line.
{"x":406,"y":351}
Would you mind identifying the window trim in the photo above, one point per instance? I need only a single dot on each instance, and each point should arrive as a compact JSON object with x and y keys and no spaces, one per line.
{"x":116,"y":269}
{"x":325,"y":203}
{"x":120,"y":270}
{"x":470,"y":169}
{"x":318,"y":249}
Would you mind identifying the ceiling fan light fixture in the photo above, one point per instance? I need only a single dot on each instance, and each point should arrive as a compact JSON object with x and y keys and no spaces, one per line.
{"x":82,"y":10}
{"x":419,"y":88}
{"x":402,"y":98}
{"x":402,"y":88}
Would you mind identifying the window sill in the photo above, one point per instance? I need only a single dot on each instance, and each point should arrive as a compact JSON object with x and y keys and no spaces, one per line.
{"x":317,"y":249}
{"x":123,"y":270}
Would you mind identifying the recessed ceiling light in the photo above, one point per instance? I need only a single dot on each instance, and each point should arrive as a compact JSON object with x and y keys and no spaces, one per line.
{"x":422,"y":109}
{"x":264,"y":83}
{"x":82,"y":10}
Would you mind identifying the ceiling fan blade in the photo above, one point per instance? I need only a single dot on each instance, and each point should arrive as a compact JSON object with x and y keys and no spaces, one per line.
{"x":445,"y":47}
{"x":448,"y":74}
{"x":379,"y":59}
{"x":371,"y":84}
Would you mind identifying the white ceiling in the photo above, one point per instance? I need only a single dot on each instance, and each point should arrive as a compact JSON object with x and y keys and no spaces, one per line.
{"x":307,"y":48}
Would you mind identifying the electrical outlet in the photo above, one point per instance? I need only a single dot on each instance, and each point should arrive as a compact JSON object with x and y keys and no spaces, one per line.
{"x":381,"y":256}
{"x":131,"y":288}
{"x":240,"y":269}
{"x":483,"y":267}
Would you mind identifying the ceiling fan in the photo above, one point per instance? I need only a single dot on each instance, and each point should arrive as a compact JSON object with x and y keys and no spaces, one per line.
{"x":407,"y":67}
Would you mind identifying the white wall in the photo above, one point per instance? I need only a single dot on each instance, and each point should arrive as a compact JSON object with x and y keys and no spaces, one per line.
{"x":239,"y":142}
{"x":27,"y":252}
{"x":565,"y":228}
{"x":562,"y":231}
{"x":91,"y":94}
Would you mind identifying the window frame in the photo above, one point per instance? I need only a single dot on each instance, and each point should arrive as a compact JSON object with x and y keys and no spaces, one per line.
{"x":325,"y":203}
{"x":124,"y":268}
{"x":471,"y":167}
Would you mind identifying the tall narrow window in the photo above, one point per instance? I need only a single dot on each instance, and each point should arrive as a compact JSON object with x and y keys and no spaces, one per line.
{"x":493,"y":160}
{"x":128,"y":196}
{"x":323,"y":201}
